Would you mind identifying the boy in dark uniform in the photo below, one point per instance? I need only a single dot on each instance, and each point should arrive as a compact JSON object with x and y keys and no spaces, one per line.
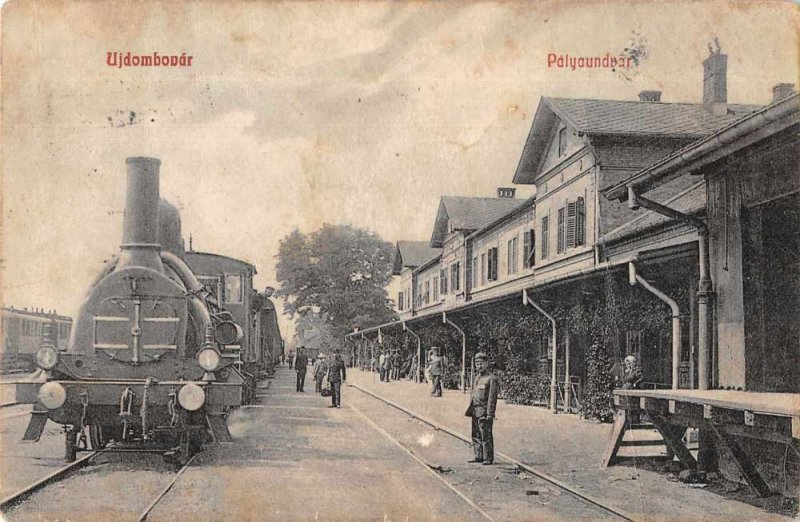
{"x":482,"y":407}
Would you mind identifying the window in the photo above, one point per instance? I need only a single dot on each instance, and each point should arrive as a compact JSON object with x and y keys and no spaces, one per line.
{"x":435,"y":288}
{"x":528,"y":248}
{"x":512,"y":256}
{"x":562,"y":141}
{"x":545,"y":237}
{"x":492,"y":268}
{"x":426,"y":293}
{"x":443,"y":279}
{"x":475,"y":271}
{"x":400,"y":301}
{"x":210,"y":284}
{"x":233,"y":288}
{"x":455,"y":276}
{"x":483,"y":268}
{"x":571,"y":225}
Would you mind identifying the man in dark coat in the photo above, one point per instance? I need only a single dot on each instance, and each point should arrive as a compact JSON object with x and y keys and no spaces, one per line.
{"x":300,"y":366}
{"x":337,"y":374}
{"x":482,"y":407}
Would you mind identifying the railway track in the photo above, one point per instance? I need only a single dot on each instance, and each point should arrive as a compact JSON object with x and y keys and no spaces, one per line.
{"x":427,"y":466}
{"x":60,"y":474}
{"x":70,"y":469}
{"x":566,"y":488}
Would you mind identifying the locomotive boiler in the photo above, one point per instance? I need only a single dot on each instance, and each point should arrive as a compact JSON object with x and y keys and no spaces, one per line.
{"x":150,"y":359}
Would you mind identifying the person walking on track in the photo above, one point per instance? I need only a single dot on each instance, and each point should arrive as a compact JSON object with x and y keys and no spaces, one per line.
{"x":320,"y":369}
{"x":482,"y":407}
{"x":300,"y":366}
{"x":337,"y":374}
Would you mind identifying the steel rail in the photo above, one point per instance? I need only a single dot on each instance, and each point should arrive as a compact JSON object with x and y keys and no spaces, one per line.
{"x":547,"y":478}
{"x":168,"y":487}
{"x":59,"y":474}
{"x":424,"y":464}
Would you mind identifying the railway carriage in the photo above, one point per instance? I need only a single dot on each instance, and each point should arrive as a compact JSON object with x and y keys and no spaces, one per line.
{"x":153,"y":358}
{"x":22,"y":336}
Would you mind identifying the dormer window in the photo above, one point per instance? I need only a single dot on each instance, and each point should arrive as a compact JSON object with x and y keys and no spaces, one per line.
{"x":562,"y":141}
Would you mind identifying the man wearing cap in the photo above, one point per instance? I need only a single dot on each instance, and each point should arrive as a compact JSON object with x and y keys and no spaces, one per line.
{"x":320,"y":369}
{"x":482,"y":406}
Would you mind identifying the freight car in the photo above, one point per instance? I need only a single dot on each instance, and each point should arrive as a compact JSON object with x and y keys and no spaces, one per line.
{"x":22,"y":335}
{"x":149,"y":361}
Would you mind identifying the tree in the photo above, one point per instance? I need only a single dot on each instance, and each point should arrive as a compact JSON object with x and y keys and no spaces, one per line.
{"x":338,"y":273}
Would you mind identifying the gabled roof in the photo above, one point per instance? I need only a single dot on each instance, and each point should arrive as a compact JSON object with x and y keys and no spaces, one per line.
{"x":413,"y":254}
{"x":689,"y":201}
{"x":772,"y":118}
{"x":469,"y":214}
{"x":637,"y":119}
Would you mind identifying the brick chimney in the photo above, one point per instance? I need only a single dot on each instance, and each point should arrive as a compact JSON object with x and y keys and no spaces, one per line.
{"x":782,"y":91}
{"x":715,"y":80}
{"x":506,"y":192}
{"x":650,"y":96}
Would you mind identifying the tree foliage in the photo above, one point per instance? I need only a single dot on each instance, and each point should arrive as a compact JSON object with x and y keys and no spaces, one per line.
{"x":338,"y":273}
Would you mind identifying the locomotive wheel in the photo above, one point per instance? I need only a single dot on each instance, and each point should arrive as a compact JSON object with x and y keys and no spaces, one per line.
{"x":100,"y":435}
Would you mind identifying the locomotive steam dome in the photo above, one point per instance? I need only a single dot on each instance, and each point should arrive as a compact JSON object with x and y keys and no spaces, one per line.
{"x":169,"y":228}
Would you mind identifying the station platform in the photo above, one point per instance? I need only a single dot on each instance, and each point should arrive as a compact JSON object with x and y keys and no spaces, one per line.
{"x":570,"y":449}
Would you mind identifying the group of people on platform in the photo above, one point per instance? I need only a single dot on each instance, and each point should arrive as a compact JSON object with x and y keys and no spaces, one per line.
{"x":333,"y":369}
{"x":483,"y":398}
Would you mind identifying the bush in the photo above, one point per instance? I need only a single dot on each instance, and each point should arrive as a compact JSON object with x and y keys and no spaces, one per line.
{"x":598,"y":397}
{"x":528,"y":389}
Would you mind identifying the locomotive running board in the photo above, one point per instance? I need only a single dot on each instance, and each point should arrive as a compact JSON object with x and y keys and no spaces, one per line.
{"x":219,"y":428}
{"x":35,"y":426}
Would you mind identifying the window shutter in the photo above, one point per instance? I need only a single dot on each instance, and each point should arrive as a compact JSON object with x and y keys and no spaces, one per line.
{"x":532,"y":251}
{"x":493,"y":271}
{"x":545,"y":237}
{"x":526,"y":249}
{"x":400,"y":300}
{"x":561,"y":238}
{"x":580,"y":223}
{"x":572,"y":211}
{"x":508,"y":258}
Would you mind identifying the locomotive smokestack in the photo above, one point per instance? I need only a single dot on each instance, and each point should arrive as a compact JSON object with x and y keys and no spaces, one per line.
{"x":140,"y":245}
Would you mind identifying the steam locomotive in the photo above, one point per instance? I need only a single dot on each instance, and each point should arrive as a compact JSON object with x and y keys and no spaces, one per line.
{"x":165,"y":345}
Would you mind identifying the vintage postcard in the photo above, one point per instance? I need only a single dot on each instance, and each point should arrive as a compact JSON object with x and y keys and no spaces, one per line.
{"x":455,"y":260}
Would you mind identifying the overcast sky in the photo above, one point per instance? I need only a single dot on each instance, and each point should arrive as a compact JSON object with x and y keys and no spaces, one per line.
{"x":294,"y":114}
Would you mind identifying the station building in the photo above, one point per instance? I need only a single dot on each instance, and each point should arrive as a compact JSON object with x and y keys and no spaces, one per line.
{"x":616,"y":211}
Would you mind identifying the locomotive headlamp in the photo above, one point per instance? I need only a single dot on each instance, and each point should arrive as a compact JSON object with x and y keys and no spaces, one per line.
{"x":47,"y":358}
{"x":191,"y":397}
{"x":208,"y":359}
{"x":52,"y":395}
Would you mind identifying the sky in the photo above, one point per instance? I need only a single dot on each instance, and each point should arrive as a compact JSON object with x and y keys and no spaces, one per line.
{"x":295,"y":114}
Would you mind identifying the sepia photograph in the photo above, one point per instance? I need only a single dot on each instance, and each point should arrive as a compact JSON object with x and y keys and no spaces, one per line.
{"x":303,"y":260}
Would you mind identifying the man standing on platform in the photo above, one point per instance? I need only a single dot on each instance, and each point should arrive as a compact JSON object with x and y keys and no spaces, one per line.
{"x":396,"y":363}
{"x":482,"y":406}
{"x":436,"y":371}
{"x":320,"y":369}
{"x":337,"y":374}
{"x":300,"y":366}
